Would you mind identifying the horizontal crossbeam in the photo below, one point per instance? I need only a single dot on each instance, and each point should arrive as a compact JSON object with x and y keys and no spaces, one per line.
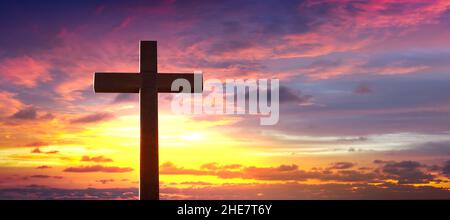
{"x":132,"y":82}
{"x":117,"y":82}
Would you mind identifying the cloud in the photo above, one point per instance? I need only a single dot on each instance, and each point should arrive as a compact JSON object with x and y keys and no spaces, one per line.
{"x":43,"y":167}
{"x":45,"y":193}
{"x":37,"y":144}
{"x":362,"y":89}
{"x":48,"y":116}
{"x":407,"y":172}
{"x":249,"y":191}
{"x":25,"y":71}
{"x":280,"y":173}
{"x":342,"y":34}
{"x":125,"y":97}
{"x":414,"y":13}
{"x":382,"y":162}
{"x":98,"y":159}
{"x":45,"y":177}
{"x":40,"y":176}
{"x":52,"y":152}
{"x":169,"y":168}
{"x":28,"y":113}
{"x":341,"y":165}
{"x":93,"y":118}
{"x":446,"y":169}
{"x":196,"y":183}
{"x":346,"y":184}
{"x":10,"y":103}
{"x":105,"y":181}
{"x":296,"y":191}
{"x":433,"y":148}
{"x":37,"y":150}
{"x":289,"y":95}
{"x":207,"y":166}
{"x":404,"y":172}
{"x":390,"y":110}
{"x":98,"y":168}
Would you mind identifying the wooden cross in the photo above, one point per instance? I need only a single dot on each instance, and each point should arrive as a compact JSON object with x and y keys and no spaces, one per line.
{"x":148,"y":83}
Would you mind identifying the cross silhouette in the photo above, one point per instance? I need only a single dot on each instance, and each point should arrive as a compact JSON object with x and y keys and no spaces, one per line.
{"x":148,"y":83}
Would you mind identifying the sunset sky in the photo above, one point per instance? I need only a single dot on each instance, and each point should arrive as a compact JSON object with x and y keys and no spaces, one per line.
{"x":364,"y":99}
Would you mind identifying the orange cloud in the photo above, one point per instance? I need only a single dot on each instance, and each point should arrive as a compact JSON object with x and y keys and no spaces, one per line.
{"x":405,"y":172}
{"x":37,"y":150}
{"x":98,"y":159}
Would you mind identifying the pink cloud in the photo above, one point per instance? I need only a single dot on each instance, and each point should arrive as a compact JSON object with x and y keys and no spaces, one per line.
{"x":25,"y":71}
{"x":125,"y":23}
{"x":318,"y":43}
{"x":8,"y":103}
{"x":379,"y":13}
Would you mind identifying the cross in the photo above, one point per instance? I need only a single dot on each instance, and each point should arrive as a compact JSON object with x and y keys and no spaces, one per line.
{"x":148,"y":83}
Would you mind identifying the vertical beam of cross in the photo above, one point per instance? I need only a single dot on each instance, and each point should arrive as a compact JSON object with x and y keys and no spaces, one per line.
{"x":148,"y":83}
{"x":149,"y":160}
